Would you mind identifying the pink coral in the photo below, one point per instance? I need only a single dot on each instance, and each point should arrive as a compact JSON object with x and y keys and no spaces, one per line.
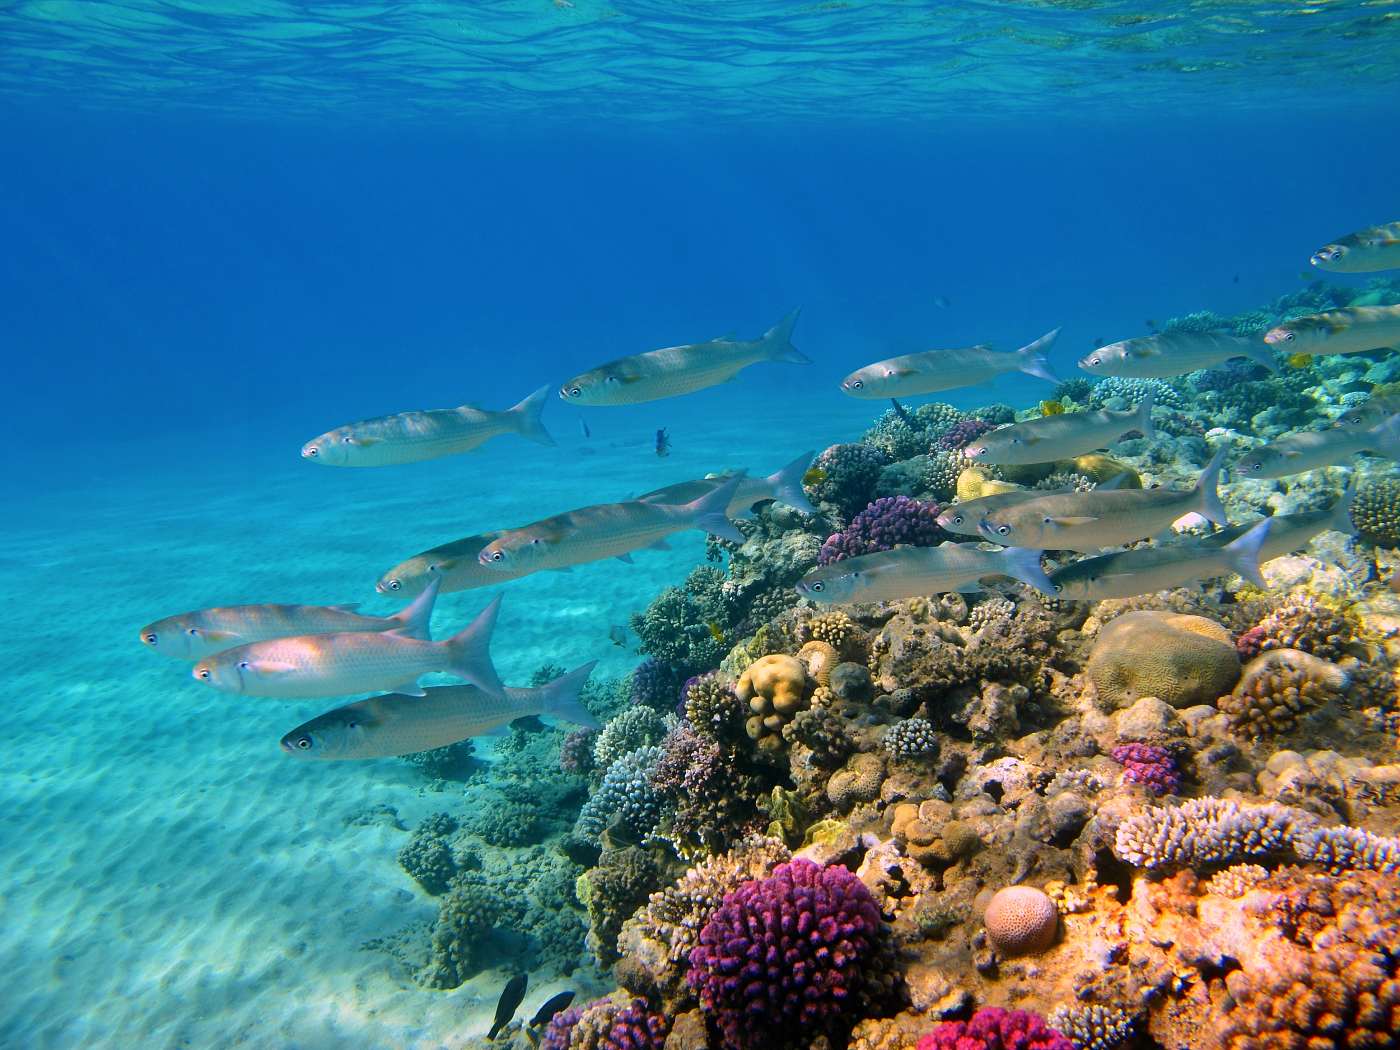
{"x":993,"y":1028}
{"x":1149,"y":765}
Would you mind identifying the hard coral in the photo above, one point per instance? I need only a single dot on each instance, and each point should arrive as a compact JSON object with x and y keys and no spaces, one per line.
{"x":1180,"y":659}
{"x":957,"y":437}
{"x":775,"y":687}
{"x":632,"y":728}
{"x":781,"y":962}
{"x":993,"y":1028}
{"x":611,"y":892}
{"x":889,"y":522}
{"x":712,"y":708}
{"x":1093,"y":1027}
{"x":1207,"y":831}
{"x":1278,"y":689}
{"x":625,"y":796}
{"x":1149,"y":765}
{"x":912,"y":738}
{"x":1376,"y":512}
{"x":1303,"y":622}
{"x":845,"y":476}
{"x":1021,"y":920}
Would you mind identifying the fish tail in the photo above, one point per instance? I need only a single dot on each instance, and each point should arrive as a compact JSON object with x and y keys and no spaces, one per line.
{"x":786,"y":484}
{"x":1339,"y":515}
{"x":1261,"y":354}
{"x":561,"y":699}
{"x":709,"y":512}
{"x":1033,"y":361}
{"x":414,"y":619}
{"x":469,"y":652}
{"x":1242,"y":553}
{"x":1023,"y":563}
{"x":778,"y":341}
{"x":526,"y":417}
{"x":1144,"y":419}
{"x":1208,"y":491}
{"x":1384,"y":438}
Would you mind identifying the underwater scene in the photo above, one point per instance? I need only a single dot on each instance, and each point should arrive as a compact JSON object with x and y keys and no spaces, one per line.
{"x":609,"y":525}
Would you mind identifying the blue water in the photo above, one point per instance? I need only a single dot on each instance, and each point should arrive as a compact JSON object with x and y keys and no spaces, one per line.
{"x":227,"y":228}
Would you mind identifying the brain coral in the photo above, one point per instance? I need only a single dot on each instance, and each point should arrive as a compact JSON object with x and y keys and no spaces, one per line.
{"x":993,"y":1028}
{"x":783,"y":960}
{"x":1021,"y":920}
{"x":1277,"y":689}
{"x":1376,"y":512}
{"x":858,"y":781}
{"x":1180,"y":659}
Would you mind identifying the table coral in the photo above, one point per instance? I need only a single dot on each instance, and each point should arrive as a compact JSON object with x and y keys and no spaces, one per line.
{"x":1178,"y":658}
{"x":781,"y":961}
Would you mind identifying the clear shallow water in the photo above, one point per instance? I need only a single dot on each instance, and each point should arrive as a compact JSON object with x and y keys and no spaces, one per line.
{"x":227,"y":229}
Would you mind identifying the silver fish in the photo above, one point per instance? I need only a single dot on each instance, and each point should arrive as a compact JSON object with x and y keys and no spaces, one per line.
{"x":1375,"y":409}
{"x":1291,"y":532}
{"x":411,"y":437}
{"x":963,"y":519}
{"x":677,"y":370}
{"x":321,"y":665}
{"x":1365,"y":251}
{"x":930,"y":371}
{"x":1352,"y":330}
{"x":911,"y":572}
{"x":1089,"y":521}
{"x":1168,"y":354}
{"x":783,"y":485}
{"x":455,"y":563}
{"x":1146,"y":570}
{"x":1311,"y":449}
{"x":1062,"y":436}
{"x":193,"y":635}
{"x":609,"y":530}
{"x":396,"y":724}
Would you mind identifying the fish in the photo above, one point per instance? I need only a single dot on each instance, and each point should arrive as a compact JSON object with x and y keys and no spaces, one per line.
{"x":1088,"y":521}
{"x":509,"y":1002}
{"x":663,"y":443}
{"x":1310,"y":449}
{"x":397,"y":724}
{"x":1146,"y":570}
{"x":930,"y":371}
{"x":1350,"y":330}
{"x":1051,"y":408}
{"x":1168,"y":354}
{"x":454,"y":564}
{"x":320,"y":665}
{"x":194,"y":635}
{"x":964,"y":519}
{"x":814,"y":476}
{"x":551,"y":1006}
{"x":784,"y":486}
{"x":1291,"y":532}
{"x":1365,"y":251}
{"x":942,"y":302}
{"x":716,"y":631}
{"x":618,"y":636}
{"x":911,"y":572}
{"x":677,"y":370}
{"x":1061,"y":436}
{"x":1370,"y":412}
{"x":610,"y":530}
{"x":412,"y":437}
{"x":583,"y":425}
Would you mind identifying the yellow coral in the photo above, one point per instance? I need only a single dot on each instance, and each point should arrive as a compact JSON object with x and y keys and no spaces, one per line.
{"x":775,"y":688}
{"x":1100,"y":468}
{"x":819,"y":658}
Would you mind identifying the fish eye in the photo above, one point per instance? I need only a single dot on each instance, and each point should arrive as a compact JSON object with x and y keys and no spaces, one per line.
{"x":1256,"y":465}
{"x":575,"y":391}
{"x":304,"y":743}
{"x":193,"y":632}
{"x":1005,"y":530}
{"x":244,"y":665}
{"x":889,"y":372}
{"x":1093,"y":360}
{"x":1059,"y":588}
{"x":346,"y":440}
{"x":203,"y":673}
{"x":818,"y":586}
{"x":149,"y":639}
{"x":312,"y":450}
{"x":856,"y":384}
{"x":497,"y":556}
{"x":957,"y":519}
{"x":394,"y":585}
{"x":1288,"y":337}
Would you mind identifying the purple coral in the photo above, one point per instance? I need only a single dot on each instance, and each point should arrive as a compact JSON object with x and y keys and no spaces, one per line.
{"x":653,"y":685}
{"x":1250,"y":643}
{"x":560,"y":1028}
{"x":1149,"y":765}
{"x":957,"y":437}
{"x":883,"y":525}
{"x":993,"y":1028}
{"x":782,"y":959}
{"x":608,"y":1025}
{"x":845,"y":475}
{"x":576,"y":751}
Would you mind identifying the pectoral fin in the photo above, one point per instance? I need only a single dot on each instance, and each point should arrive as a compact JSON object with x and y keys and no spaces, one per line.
{"x":219,"y":636}
{"x":625,"y":558}
{"x":1070,"y":522}
{"x":273,"y":667}
{"x":409,"y":688}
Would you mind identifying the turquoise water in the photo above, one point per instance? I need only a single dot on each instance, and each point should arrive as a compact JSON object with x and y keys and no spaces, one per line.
{"x":225,"y":228}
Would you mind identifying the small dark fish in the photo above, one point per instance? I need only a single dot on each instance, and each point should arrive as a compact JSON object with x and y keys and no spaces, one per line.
{"x":511,"y":994}
{"x":551,"y":1007}
{"x":942,"y":302}
{"x":583,"y":425}
{"x":663,"y":443}
{"x":902,"y":412}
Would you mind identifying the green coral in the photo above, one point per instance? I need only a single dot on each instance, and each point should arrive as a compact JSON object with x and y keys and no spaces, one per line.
{"x":612,"y":891}
{"x":1376,"y":512}
{"x":453,"y":762}
{"x":427,"y":856}
{"x":673,"y":630}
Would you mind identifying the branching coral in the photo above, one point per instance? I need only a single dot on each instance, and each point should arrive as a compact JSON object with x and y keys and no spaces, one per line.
{"x":1279,"y":688}
{"x":993,"y":1028}
{"x":673,"y":629}
{"x":712,"y":707}
{"x":912,"y":738}
{"x":1093,"y":1027}
{"x":712,"y":799}
{"x":889,"y":522}
{"x":845,"y":476}
{"x":612,"y":891}
{"x":1205,"y":832}
{"x":625,"y":796}
{"x":1303,"y":622}
{"x":633,"y":728}
{"x":1149,"y":765}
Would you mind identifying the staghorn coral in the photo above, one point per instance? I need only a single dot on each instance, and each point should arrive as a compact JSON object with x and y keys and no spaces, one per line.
{"x":1375,"y":512}
{"x":912,"y":738}
{"x":1180,"y":659}
{"x":632,"y":728}
{"x":1149,"y":765}
{"x":1349,"y":849}
{"x":782,"y":960}
{"x":889,"y":522}
{"x":993,"y":1028}
{"x":1277,"y":689}
{"x":625,"y":796}
{"x":1205,"y":832}
{"x":775,"y":687}
{"x":1021,"y":920}
{"x":1093,"y":1027}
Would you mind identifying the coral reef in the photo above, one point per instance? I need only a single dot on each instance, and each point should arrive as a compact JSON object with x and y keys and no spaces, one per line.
{"x":1376,"y":512}
{"x":775,"y":688}
{"x":1021,"y":920}
{"x":624,"y":799}
{"x":1177,"y":658}
{"x":889,"y":522}
{"x":1277,"y":689}
{"x":1150,"y":765}
{"x":996,"y":1029}
{"x":844,"y":476}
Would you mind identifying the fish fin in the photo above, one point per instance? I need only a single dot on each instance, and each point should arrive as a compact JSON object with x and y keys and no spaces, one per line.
{"x":628,"y":379}
{"x":274,"y":666}
{"x":219,"y":637}
{"x":497,"y":730}
{"x":1339,"y":516}
{"x":975,"y":587}
{"x":778,"y":341}
{"x":1139,"y":351}
{"x":409,"y":688}
{"x":526,"y":416}
{"x":1242,"y":553}
{"x":348,"y":607}
{"x":786,"y":483}
{"x":414,"y":619}
{"x":563,"y":568}
{"x":560,"y":698}
{"x":1144,"y":417}
{"x":1260,"y":354}
{"x":469,"y":652}
{"x":1384,"y":438}
{"x":728,"y":337}
{"x":1207,"y":491}
{"x":627,"y":558}
{"x":659,"y":545}
{"x":1023,"y":563}
{"x":707,"y":512}
{"x":1066,"y":521}
{"x":1113,"y":483}
{"x":1032,"y":357}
